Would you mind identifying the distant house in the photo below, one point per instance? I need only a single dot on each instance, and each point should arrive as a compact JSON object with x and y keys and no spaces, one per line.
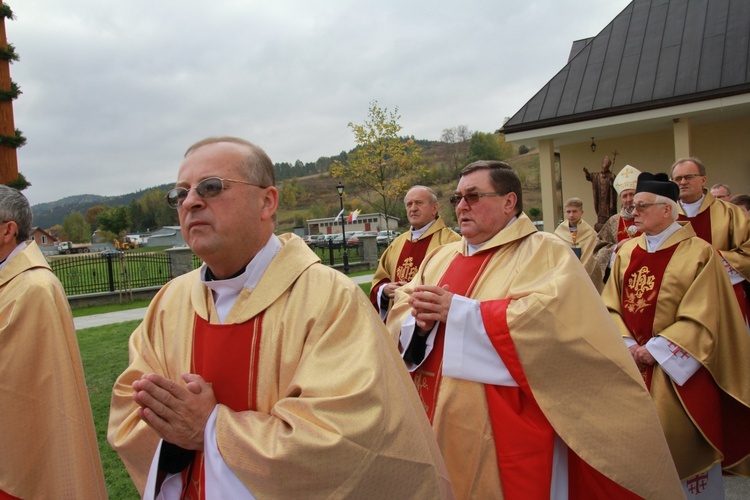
{"x":165,"y":236}
{"x":42,"y":237}
{"x":364,"y":222}
{"x":665,"y":79}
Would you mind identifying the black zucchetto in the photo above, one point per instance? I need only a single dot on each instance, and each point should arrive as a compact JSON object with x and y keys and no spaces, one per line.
{"x":657,"y":184}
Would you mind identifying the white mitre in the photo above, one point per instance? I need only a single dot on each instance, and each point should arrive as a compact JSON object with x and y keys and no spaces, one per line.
{"x":626,"y":178}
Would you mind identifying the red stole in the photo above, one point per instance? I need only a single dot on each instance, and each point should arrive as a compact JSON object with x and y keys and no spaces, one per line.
{"x":462,"y":276}
{"x":411,"y":257}
{"x":622,"y":229}
{"x":701,"y":224}
{"x":640,"y":289}
{"x":226,"y":356}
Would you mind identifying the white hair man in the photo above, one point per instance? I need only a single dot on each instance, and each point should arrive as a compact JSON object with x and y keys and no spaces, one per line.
{"x":400,"y":261}
{"x":673,"y":303}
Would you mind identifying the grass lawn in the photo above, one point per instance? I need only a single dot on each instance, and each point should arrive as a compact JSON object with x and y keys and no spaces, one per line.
{"x":104,"y":352}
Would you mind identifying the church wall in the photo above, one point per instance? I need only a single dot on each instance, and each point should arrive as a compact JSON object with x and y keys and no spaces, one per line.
{"x":721,"y":146}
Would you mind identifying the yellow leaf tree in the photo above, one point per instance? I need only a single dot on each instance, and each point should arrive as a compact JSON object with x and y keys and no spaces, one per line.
{"x":383,"y":166}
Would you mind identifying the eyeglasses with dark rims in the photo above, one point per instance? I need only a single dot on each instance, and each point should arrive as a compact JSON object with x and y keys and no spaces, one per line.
{"x":207,"y":188}
{"x":471,"y":198}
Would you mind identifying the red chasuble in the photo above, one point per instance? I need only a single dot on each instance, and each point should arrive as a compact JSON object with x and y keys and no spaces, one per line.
{"x":226,"y":356}
{"x":641,"y":286}
{"x":714,"y":412}
{"x":411,"y":257}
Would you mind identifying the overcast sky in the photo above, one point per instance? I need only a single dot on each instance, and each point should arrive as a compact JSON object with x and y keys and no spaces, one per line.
{"x":114,"y":92}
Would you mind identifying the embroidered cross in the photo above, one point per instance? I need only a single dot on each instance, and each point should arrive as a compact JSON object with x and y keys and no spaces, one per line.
{"x":678,"y":351}
{"x":698,"y":483}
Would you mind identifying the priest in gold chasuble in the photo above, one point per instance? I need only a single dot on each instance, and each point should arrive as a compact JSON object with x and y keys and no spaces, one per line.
{"x":264,"y":374}
{"x":400,"y":261}
{"x":672,"y":300}
{"x":518,"y":364}
{"x":48,"y":445}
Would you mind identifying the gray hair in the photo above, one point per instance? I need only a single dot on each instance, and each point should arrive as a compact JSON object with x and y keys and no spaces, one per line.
{"x":671,"y":203}
{"x":720,"y":185}
{"x":14,"y":206}
{"x":433,"y":196}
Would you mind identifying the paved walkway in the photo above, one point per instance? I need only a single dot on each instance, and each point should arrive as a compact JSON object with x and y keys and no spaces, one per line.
{"x":131,"y":314}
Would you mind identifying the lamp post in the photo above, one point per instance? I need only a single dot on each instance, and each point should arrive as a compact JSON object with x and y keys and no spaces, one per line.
{"x":340,"y":189}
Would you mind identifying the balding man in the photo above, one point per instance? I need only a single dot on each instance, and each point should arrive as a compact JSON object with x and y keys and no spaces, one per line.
{"x":245,"y":379}
{"x":400,"y":261}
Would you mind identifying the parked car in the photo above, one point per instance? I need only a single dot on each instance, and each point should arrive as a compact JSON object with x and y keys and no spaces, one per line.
{"x":354,"y":240}
{"x":111,"y":251}
{"x":322,"y":240}
{"x":383,"y":239}
{"x":308,"y":239}
{"x":337,"y":240}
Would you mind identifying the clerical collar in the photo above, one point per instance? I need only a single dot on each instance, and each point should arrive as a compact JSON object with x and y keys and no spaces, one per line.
{"x":19,"y":248}
{"x":573,"y":228}
{"x":418,"y":233}
{"x":691,"y":209}
{"x":472,"y":249}
{"x":225,"y":292}
{"x":654,"y":242}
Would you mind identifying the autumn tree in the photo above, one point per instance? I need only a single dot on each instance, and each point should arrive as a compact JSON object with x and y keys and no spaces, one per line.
{"x":115,"y":220}
{"x":457,"y":140}
{"x":383,"y":166}
{"x":92,"y":213}
{"x":489,"y":147}
{"x":76,"y":228}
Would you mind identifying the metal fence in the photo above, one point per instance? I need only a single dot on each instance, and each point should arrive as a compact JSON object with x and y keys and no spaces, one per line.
{"x":93,"y":273}
{"x":333,"y":254}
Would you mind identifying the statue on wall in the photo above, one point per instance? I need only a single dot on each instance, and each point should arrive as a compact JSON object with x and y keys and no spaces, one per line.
{"x":605,"y":197}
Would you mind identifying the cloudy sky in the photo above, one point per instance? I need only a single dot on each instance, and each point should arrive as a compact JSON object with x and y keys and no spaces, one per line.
{"x":114,"y":92}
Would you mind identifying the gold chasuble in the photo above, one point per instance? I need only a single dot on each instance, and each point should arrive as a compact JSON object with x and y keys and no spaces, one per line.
{"x":403,"y":256}
{"x":727,"y":229}
{"x":584,"y":239}
{"x":576,"y":379}
{"x":681,"y":292}
{"x":47,"y":437}
{"x":318,"y":376}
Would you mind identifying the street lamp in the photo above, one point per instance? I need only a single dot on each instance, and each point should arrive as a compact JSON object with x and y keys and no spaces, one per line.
{"x":340,"y":189}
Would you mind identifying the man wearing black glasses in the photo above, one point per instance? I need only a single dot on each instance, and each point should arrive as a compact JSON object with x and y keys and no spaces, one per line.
{"x":721,"y":224}
{"x":674,"y":306}
{"x":518,"y":364}
{"x":49,"y":447}
{"x":264,"y":372}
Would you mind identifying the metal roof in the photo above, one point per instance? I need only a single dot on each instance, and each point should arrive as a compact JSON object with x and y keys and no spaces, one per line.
{"x":654,"y":54}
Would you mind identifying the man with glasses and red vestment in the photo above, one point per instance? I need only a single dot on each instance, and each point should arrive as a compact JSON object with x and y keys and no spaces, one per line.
{"x":264,"y":373}
{"x":48,"y":443}
{"x":527,"y":392}
{"x":400,"y":261}
{"x":674,"y":306}
{"x":722,"y":224}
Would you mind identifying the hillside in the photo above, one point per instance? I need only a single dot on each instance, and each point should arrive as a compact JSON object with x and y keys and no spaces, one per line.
{"x":319,"y":197}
